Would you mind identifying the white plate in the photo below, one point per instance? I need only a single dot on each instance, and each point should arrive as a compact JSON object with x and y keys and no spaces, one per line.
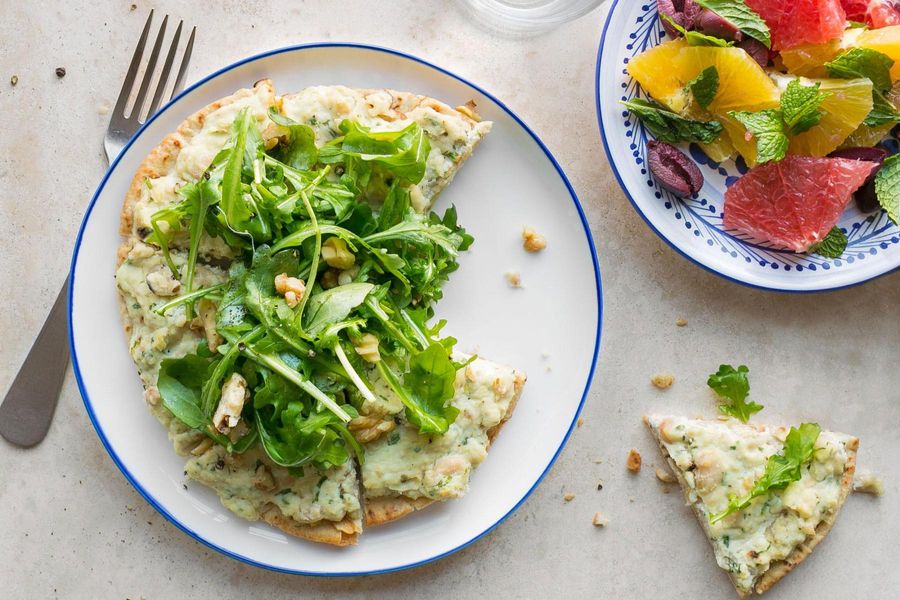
{"x":550,"y":329}
{"x":694,"y":226}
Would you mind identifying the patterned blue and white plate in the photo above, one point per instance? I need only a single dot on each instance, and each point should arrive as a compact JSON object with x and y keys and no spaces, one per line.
{"x":694,"y":226}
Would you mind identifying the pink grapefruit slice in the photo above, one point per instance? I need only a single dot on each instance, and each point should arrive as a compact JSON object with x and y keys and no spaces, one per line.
{"x":794,"y":203}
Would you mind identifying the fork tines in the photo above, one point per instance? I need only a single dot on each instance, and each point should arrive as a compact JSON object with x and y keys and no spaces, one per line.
{"x":140,"y":111}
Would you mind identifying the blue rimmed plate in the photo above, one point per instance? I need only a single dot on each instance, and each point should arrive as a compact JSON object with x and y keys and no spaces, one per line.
{"x":511,"y":181}
{"x":694,"y":226}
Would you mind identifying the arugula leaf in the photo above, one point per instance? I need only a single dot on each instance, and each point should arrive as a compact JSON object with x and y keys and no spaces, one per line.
{"x":800,"y":106}
{"x":199,"y":197}
{"x":741,"y":16}
{"x":866,"y":63}
{"x":887,"y":187}
{"x":733,"y":387}
{"x":670,"y":127}
{"x":402,"y":153}
{"x":696,"y":38}
{"x":781,"y":469}
{"x":427,"y":412}
{"x":705,"y":86}
{"x":179,"y":384}
{"x":832,"y":245}
{"x":233,"y":206}
{"x":334,"y":305}
{"x":300,"y":151}
{"x":768,"y":129}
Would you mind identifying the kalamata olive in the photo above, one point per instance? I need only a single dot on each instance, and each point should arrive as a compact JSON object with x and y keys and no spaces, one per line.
{"x":875,"y":154}
{"x":756,"y":50}
{"x":865,"y":196}
{"x":683,"y":12}
{"x":866,"y":199}
{"x":673,"y":169}
{"x":712,"y":24}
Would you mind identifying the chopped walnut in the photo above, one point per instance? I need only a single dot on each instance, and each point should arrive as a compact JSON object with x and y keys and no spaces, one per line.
{"x":513,"y":279}
{"x":663,"y":381}
{"x":348,"y":275}
{"x":634,"y":461}
{"x":664,"y":476}
{"x":369,"y":429}
{"x":151,"y":396}
{"x":468,"y":109}
{"x":599,"y":520}
{"x":228,"y":412}
{"x":532,"y":240}
{"x":206,"y":320}
{"x":569,"y":497}
{"x":202,"y":447}
{"x":336,"y":254}
{"x":291,"y":288}
{"x":367,"y":348}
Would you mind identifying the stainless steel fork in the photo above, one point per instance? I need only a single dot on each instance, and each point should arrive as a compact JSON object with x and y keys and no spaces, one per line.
{"x":28,"y":408}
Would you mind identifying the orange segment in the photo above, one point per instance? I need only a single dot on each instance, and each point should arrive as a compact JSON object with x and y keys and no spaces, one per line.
{"x":664,"y":70}
{"x":809,"y":61}
{"x":849,"y":102}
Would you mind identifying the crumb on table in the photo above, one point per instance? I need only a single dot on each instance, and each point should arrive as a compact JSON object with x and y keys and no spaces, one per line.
{"x":663,"y":381}
{"x":533,"y":241}
{"x":514,"y":279}
{"x":868,"y":483}
{"x":681,"y":322}
{"x":634,"y":461}
{"x":664,"y":475}
{"x":580,"y":423}
{"x":599,"y":520}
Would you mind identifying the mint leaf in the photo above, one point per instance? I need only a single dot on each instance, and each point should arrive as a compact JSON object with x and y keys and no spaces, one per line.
{"x":741,"y":16}
{"x":883,"y":112}
{"x":733,"y":387}
{"x":695,"y":38}
{"x":705,"y":86}
{"x":887,"y":187}
{"x":863,"y":62}
{"x":781,"y":469}
{"x":832,"y":246}
{"x":800,"y":106}
{"x":767,"y":127}
{"x":671,"y":127}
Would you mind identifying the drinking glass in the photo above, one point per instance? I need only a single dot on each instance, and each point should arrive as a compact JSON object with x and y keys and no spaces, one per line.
{"x":527,"y":17}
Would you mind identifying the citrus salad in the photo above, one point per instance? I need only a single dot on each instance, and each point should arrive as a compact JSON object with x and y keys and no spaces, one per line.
{"x":802,"y":91}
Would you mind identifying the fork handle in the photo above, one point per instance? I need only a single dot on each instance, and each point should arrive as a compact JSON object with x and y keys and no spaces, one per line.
{"x":28,"y":408}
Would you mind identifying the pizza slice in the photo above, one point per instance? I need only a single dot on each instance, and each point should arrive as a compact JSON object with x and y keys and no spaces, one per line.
{"x":406,"y":470}
{"x":720,"y":463}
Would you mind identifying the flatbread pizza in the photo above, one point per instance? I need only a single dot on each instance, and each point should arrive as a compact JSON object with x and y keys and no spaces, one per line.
{"x":277,"y":278}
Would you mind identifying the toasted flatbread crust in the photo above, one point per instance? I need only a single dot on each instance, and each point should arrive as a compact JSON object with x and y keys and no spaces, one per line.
{"x":343,"y":533}
{"x":379,"y":511}
{"x":781,"y":568}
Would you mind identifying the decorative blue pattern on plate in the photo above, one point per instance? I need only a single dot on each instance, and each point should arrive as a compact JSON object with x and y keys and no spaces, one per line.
{"x":694,"y":226}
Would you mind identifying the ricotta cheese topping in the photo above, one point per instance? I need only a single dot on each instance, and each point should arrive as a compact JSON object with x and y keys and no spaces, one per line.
{"x":408,"y":463}
{"x":247,"y":483}
{"x":718,"y":459}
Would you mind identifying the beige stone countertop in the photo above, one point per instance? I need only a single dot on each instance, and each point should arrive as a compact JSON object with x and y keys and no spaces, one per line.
{"x":72,"y":526}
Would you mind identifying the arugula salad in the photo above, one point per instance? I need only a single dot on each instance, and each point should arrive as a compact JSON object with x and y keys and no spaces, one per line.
{"x":334,"y":283}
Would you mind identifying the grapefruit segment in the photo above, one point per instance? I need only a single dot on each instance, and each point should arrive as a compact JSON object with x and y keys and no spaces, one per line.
{"x":797,"y":22}
{"x":794,"y":203}
{"x":883,"y":13}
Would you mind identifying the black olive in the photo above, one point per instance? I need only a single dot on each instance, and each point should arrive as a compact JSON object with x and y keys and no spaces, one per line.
{"x":866,"y":199}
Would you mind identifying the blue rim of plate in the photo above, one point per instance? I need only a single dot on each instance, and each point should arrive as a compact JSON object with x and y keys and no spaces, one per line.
{"x":84,"y":394}
{"x":597,"y":72}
